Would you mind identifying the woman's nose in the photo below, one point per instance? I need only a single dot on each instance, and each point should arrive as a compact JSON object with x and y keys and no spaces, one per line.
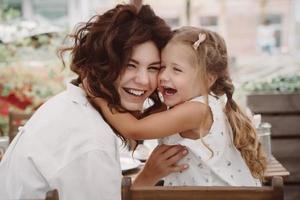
{"x":142,"y":77}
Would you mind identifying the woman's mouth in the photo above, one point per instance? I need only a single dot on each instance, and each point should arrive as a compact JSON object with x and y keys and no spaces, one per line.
{"x":135,"y":92}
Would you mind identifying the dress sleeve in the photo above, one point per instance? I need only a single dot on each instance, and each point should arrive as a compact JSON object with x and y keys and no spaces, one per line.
{"x":93,"y":175}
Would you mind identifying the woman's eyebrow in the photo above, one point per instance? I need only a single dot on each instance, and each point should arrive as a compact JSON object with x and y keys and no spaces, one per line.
{"x":156,"y":63}
{"x":137,"y":62}
{"x":134,"y":61}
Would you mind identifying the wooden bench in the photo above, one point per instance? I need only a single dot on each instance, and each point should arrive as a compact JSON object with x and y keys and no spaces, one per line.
{"x":273,"y":192}
{"x":275,"y":168}
{"x":282,"y":111}
{"x":52,"y":195}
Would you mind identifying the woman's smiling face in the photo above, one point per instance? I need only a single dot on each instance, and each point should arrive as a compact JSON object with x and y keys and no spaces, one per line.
{"x":139,"y":79}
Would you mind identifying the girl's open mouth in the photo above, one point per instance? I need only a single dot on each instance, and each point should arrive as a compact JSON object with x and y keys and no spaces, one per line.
{"x":168,"y":91}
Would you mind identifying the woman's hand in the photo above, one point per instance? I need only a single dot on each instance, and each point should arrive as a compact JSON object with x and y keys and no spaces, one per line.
{"x":161,"y":163}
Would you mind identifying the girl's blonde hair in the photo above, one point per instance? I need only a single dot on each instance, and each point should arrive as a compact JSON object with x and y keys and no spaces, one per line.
{"x":211,"y":57}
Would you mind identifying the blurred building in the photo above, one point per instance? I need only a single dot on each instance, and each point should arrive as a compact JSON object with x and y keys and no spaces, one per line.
{"x":59,"y":12}
{"x":250,"y":27}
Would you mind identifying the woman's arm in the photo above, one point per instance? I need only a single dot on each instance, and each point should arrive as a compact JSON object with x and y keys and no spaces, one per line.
{"x":162,"y":161}
{"x":181,"y":118}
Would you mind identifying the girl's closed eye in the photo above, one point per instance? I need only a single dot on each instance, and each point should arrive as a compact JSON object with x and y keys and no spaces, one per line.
{"x":176,"y":69}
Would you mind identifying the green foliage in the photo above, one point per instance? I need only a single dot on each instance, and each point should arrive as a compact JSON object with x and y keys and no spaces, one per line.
{"x":9,"y":13}
{"x":281,"y":84}
{"x":30,"y":70}
{"x":4,"y":53}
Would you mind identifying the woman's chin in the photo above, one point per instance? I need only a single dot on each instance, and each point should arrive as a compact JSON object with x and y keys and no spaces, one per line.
{"x":130,"y":106}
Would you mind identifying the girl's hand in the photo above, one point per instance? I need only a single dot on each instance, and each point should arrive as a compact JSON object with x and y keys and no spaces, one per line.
{"x":161,"y":163}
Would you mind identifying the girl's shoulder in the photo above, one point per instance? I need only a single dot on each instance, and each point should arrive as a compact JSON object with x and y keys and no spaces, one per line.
{"x":212,"y":101}
{"x":215,"y":104}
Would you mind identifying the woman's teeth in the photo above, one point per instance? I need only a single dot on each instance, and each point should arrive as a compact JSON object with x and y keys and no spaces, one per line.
{"x":135,"y":92}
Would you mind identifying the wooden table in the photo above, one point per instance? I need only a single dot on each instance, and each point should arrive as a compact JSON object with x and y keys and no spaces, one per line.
{"x":274,"y":168}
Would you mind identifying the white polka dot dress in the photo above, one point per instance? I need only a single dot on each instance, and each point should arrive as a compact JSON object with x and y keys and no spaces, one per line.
{"x":224,"y":167}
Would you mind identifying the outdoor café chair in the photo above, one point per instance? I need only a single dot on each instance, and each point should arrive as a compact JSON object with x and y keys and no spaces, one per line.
{"x":15,"y":120}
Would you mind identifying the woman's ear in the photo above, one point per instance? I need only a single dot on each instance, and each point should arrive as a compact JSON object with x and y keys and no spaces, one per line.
{"x":84,"y":85}
{"x":211,"y":79}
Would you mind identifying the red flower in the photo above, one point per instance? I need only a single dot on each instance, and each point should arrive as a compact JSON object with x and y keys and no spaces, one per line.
{"x":20,"y":103}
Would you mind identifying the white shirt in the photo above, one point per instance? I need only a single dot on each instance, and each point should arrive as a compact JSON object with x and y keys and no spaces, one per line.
{"x":66,"y":145}
{"x":224,"y":167}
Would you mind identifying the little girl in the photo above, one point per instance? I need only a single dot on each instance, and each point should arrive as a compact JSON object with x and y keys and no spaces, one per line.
{"x":224,"y":149}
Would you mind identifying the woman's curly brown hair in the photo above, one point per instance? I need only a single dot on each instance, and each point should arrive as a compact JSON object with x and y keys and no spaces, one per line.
{"x":103,"y":46}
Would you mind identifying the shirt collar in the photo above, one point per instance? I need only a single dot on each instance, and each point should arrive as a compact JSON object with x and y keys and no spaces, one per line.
{"x":77,"y":94}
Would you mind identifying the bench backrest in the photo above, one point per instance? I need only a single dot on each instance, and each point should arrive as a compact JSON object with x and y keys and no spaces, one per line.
{"x":273,"y":192}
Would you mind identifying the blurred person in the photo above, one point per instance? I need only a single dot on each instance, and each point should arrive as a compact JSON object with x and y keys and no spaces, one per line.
{"x":266,"y":38}
{"x":224,"y":149}
{"x":67,"y":144}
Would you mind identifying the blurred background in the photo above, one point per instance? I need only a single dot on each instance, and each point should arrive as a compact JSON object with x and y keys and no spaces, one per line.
{"x":263,"y":39}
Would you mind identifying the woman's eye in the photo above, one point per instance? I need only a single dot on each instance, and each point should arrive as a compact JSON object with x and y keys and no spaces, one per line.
{"x":154,"y":68}
{"x":131,"y":66}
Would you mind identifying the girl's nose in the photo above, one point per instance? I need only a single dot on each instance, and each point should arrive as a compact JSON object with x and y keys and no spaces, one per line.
{"x":163,"y":75}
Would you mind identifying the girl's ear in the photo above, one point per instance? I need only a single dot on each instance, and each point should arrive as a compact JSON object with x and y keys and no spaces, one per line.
{"x":211,"y":79}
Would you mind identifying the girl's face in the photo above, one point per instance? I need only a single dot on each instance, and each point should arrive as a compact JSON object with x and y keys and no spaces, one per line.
{"x":179,"y":78}
{"x":139,"y":79}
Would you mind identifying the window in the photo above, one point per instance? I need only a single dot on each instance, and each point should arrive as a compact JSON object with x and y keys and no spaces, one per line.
{"x":51,"y":9}
{"x":269,"y":33}
{"x":173,"y":22}
{"x":273,"y":19}
{"x":209,"y":21}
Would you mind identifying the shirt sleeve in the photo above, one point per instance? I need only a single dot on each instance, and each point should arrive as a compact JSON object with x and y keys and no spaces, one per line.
{"x":93,"y":175}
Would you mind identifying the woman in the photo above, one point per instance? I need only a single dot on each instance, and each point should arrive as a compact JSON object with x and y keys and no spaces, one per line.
{"x":67,"y":145}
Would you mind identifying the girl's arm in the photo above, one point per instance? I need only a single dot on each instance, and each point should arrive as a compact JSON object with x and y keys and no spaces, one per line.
{"x":181,"y":118}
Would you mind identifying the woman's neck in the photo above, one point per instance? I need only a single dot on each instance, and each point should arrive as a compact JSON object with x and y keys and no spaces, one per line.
{"x":137,"y":114}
